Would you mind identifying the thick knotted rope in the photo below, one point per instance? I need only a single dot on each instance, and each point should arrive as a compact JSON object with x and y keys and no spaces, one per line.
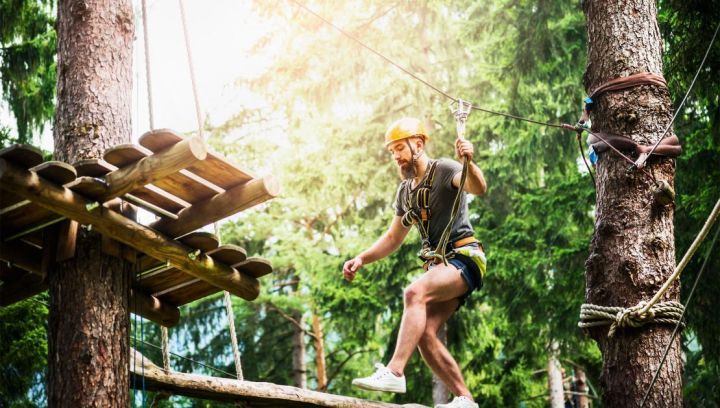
{"x":634,"y":316}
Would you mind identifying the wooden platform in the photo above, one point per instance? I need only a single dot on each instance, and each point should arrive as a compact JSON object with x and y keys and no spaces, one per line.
{"x":252,"y":394}
{"x":178,"y":179}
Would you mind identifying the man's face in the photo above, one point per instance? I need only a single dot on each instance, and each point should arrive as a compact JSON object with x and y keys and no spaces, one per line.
{"x":401,"y":153}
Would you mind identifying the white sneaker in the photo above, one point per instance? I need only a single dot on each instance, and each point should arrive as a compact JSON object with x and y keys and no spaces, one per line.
{"x":382,"y":380}
{"x":459,"y":402}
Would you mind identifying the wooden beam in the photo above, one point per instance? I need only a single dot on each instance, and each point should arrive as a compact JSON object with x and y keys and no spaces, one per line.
{"x":28,"y":285}
{"x":153,"y":309}
{"x":258,"y":394}
{"x":220,"y":206}
{"x":66,"y":203}
{"x":23,"y":255}
{"x":156,"y":167}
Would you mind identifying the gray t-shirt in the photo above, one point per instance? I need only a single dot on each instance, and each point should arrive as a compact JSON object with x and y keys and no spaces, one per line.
{"x":442,"y":196}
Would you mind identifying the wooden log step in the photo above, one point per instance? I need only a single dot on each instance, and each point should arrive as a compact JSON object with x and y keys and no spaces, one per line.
{"x":220,"y":206}
{"x":204,"y":241}
{"x":228,"y":254}
{"x":93,"y":168}
{"x":162,"y":281}
{"x":188,"y":186}
{"x":56,"y":171}
{"x":22,"y":155}
{"x":125,"y":154}
{"x":188,"y":293}
{"x":255,"y":267}
{"x":214,"y":168}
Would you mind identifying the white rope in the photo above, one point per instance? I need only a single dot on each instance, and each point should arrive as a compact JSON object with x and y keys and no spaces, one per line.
{"x":198,"y":110}
{"x":165,"y":348}
{"x":146,"y":41}
{"x":233,"y":336}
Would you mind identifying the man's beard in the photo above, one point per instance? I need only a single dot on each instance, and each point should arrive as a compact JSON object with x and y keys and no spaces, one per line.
{"x":408,"y":170}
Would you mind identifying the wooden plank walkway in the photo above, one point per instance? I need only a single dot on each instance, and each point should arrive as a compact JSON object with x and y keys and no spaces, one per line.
{"x":252,"y":394}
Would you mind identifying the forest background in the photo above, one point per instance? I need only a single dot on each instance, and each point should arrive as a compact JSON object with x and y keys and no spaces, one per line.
{"x":325,"y":104}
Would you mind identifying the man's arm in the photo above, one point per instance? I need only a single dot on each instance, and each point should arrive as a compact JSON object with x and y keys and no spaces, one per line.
{"x":384,"y":246}
{"x":475,"y":181}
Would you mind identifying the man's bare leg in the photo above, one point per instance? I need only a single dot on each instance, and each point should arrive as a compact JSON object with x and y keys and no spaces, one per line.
{"x":440,"y":284}
{"x":434,"y":352}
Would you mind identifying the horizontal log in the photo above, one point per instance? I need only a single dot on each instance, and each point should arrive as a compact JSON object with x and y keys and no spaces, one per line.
{"x":26,"y":286}
{"x":257,"y":394}
{"x":156,"y":167}
{"x":66,"y":203}
{"x":23,"y":255}
{"x":220,"y":206}
{"x":153,"y":309}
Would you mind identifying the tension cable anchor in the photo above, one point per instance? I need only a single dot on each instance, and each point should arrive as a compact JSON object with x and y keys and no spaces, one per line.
{"x":460,"y":109}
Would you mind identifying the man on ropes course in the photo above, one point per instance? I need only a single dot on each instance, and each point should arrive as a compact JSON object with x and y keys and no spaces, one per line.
{"x":453,"y":270}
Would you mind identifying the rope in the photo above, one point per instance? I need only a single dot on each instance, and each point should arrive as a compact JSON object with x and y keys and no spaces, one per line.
{"x":651,"y":311}
{"x":618,"y":317}
{"x":679,"y":108}
{"x":198,"y":112}
{"x":408,"y":72}
{"x":233,"y":336}
{"x":461,"y":113}
{"x":677,"y":326}
{"x":146,"y":40}
{"x":688,"y":255}
{"x":165,"y":348}
{"x":187,"y":359}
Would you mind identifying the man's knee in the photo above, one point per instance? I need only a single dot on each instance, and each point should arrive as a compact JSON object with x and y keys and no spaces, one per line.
{"x":414,"y":294}
{"x":427,"y":341}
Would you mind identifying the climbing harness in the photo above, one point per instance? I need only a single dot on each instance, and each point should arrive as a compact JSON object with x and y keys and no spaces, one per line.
{"x":417,"y":203}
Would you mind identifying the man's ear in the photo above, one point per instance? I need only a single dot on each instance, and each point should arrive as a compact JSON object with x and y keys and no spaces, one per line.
{"x":419,"y":146}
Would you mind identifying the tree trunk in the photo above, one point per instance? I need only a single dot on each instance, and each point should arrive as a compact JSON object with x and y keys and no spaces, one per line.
{"x":88,"y":321}
{"x":319,"y":353}
{"x":633,"y":248}
{"x":298,"y":353}
{"x":555,"y":381}
{"x":440,"y":391}
{"x":581,"y":388}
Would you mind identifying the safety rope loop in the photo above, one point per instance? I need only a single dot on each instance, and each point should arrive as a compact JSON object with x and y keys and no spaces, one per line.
{"x":635,"y":316}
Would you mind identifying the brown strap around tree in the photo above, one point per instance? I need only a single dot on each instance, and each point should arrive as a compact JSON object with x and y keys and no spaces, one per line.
{"x":642,"y":78}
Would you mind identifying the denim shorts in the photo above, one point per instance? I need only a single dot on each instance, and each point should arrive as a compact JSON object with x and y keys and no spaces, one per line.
{"x":470,"y":272}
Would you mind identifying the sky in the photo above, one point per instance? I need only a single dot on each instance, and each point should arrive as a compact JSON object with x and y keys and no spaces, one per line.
{"x":221,"y":33}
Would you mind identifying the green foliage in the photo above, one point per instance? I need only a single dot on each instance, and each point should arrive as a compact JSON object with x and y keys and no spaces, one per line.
{"x":27,"y":62}
{"x":23,"y":341}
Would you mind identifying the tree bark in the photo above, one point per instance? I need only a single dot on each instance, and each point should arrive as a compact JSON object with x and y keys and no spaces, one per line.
{"x":633,"y":248}
{"x":581,"y":399}
{"x":298,"y":354}
{"x":555,"y":381}
{"x":88,"y":321}
{"x":319,"y":353}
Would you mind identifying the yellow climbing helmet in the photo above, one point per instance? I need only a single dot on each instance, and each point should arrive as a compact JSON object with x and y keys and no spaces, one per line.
{"x":405,"y":128}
